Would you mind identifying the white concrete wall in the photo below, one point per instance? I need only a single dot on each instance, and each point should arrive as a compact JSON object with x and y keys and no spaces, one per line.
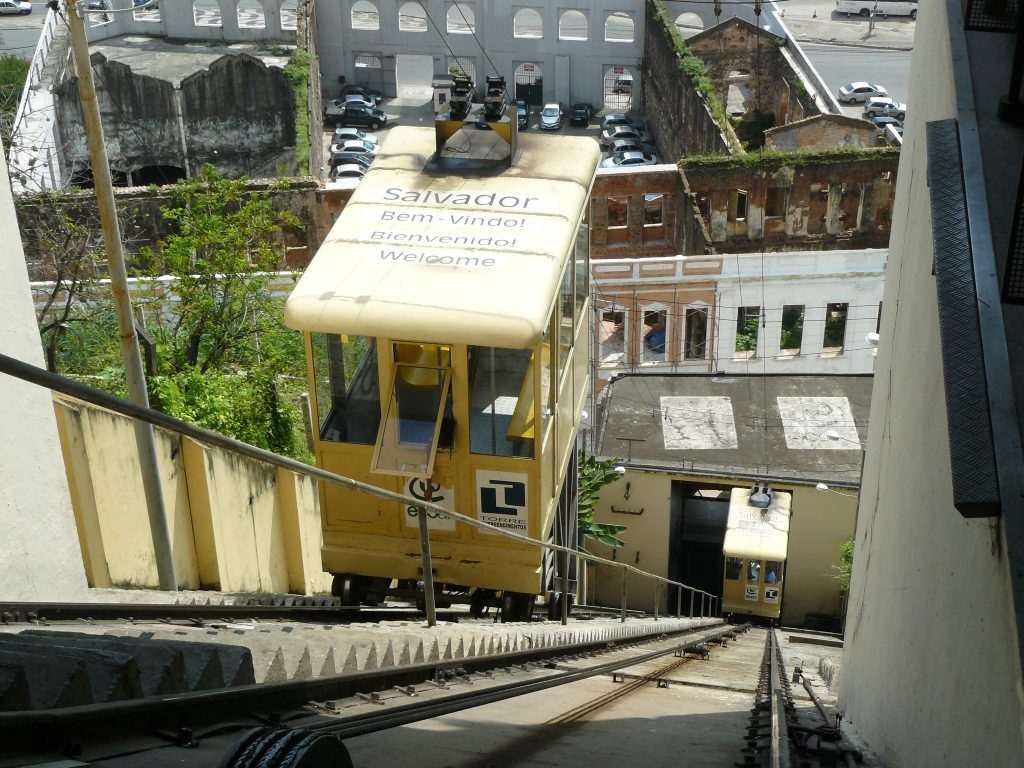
{"x":573,"y":70}
{"x":184,"y":20}
{"x":811,"y":280}
{"x":40,"y":557}
{"x":930,"y":672}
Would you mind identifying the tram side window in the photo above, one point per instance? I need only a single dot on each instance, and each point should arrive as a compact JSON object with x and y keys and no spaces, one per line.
{"x":501,"y":407}
{"x":565,"y":326}
{"x":753,"y":570}
{"x":347,"y":388}
{"x":772,"y":572}
{"x":734,"y":568}
{"x":582,"y":259}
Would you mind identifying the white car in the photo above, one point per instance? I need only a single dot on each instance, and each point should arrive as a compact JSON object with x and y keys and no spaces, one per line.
{"x":14,"y":7}
{"x":348,"y":171}
{"x":355,"y":146}
{"x":353,"y":134}
{"x":885,"y":107}
{"x":618,"y":132}
{"x":551,"y":116}
{"x":627,"y":159}
{"x":861,"y":91}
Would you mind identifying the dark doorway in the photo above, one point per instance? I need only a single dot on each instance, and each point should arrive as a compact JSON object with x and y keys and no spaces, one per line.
{"x":529,"y":79}
{"x":696,"y":533}
{"x":157,"y":174}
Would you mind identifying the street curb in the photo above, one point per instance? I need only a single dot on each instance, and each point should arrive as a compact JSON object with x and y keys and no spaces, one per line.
{"x":848,"y":44}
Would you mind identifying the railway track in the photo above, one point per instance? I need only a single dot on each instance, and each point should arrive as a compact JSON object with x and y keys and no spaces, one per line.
{"x":82,"y":688}
{"x":570,"y":680}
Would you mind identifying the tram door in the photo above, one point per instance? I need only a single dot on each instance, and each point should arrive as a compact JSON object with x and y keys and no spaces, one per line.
{"x":697,"y":529}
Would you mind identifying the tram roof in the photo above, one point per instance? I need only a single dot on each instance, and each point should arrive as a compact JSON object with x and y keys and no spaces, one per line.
{"x":461,"y":250}
{"x":755,"y":533}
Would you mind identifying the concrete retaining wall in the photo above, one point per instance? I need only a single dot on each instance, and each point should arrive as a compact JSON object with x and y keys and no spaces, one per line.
{"x":237,"y":525}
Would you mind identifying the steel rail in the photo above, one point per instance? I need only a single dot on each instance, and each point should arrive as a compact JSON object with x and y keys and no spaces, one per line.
{"x":372,"y":722}
{"x":308,"y":609}
{"x":171,"y":711}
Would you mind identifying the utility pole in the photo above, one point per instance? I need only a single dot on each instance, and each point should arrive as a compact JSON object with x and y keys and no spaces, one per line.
{"x":130,"y":353}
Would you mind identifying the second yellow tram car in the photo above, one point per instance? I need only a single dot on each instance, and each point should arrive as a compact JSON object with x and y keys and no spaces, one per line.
{"x":446,"y":323}
{"x":755,"y":548}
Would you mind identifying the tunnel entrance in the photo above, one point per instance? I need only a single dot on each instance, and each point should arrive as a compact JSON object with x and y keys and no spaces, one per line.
{"x":699,"y":513}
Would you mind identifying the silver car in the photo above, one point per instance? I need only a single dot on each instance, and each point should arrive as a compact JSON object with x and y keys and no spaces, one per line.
{"x":627,"y":159}
{"x":620,"y":118}
{"x":625,"y":132}
{"x":551,"y":116}
{"x":886,"y":108}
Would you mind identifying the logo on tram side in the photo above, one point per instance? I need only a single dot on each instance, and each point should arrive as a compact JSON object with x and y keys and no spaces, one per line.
{"x":502,"y":500}
{"x":417,"y":488}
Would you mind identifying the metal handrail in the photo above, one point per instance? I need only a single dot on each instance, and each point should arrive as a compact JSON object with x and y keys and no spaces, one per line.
{"x":56,"y":383}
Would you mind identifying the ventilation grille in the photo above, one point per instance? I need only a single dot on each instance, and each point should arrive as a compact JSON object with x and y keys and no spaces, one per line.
{"x":991,"y":16}
{"x":1013,"y":280}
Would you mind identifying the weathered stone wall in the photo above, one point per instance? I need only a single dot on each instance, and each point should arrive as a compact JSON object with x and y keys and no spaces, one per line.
{"x":808,"y":200}
{"x":239,"y":114}
{"x":822,"y":132}
{"x":678,"y":116}
{"x":143,"y":225}
{"x":681,"y":232}
{"x":737,"y":53}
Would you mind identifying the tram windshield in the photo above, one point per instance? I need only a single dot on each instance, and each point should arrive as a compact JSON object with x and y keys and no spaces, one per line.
{"x":347,"y":391}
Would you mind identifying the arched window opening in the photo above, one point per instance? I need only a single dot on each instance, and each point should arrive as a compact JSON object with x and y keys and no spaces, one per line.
{"x":412,"y":18}
{"x":618,"y":28}
{"x":365,"y":15}
{"x":528,"y":23}
{"x":655,"y":334}
{"x":250,"y":15}
{"x":290,"y":14}
{"x":206,"y":13}
{"x":573,"y":26}
{"x":689,"y":24}
{"x":461,"y":20}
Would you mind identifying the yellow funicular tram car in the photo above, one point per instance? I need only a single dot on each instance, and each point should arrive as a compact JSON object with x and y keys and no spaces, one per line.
{"x":755,"y":548}
{"x":446,"y":325}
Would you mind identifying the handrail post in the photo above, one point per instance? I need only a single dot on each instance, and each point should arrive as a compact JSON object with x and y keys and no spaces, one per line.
{"x":624,"y":574}
{"x":564,"y":561}
{"x":657,"y":595}
{"x":679,"y":602}
{"x":428,"y":571}
{"x":702,"y":594}
{"x":691,"y":602}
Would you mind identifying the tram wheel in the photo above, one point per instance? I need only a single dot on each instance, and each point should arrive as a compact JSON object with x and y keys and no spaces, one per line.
{"x":555,"y":606}
{"x":285,"y":748}
{"x":516,"y":606}
{"x":480,"y":602}
{"x":348,"y":588}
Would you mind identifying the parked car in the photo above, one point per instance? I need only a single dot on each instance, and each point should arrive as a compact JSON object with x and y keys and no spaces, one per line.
{"x":623,"y":84}
{"x":351,"y":158}
{"x":881,"y":122}
{"x":362,"y":90}
{"x":348,"y":171}
{"x":96,"y":5}
{"x":355,"y":114}
{"x":886,"y":107}
{"x":580,"y":114}
{"x":617,"y":132}
{"x":551,"y":116}
{"x":14,"y":7}
{"x":522,"y":115}
{"x":151,"y":7}
{"x":358,"y":98}
{"x":619,"y":118}
{"x":619,"y":146}
{"x":883,"y":8}
{"x":626,"y":159}
{"x":355,"y":146}
{"x":350,"y":134}
{"x":861,"y":91}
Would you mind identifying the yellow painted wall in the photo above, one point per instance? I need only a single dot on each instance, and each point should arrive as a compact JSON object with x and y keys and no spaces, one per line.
{"x":821,"y":523}
{"x":236,"y":524}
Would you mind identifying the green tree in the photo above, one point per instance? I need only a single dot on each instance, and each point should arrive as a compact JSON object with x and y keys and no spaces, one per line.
{"x":13,"y":72}
{"x":594,"y":475}
{"x":845,"y":568}
{"x":746,"y":340}
{"x":227,"y":242}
